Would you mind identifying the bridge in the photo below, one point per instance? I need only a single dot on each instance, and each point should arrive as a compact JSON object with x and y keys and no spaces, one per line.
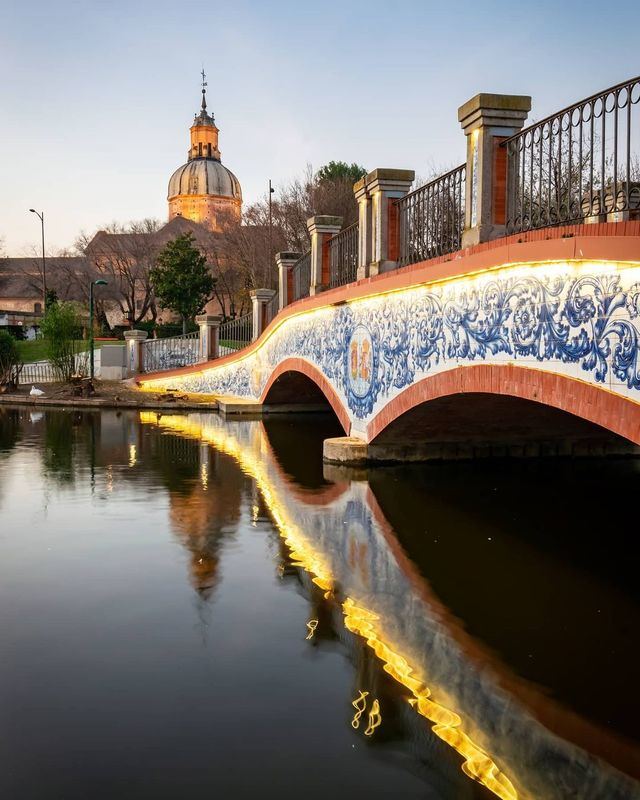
{"x":493,"y":311}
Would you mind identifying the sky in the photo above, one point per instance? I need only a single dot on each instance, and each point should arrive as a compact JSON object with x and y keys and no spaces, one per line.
{"x":96,"y":98}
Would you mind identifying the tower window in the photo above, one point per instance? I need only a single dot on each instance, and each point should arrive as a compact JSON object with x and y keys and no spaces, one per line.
{"x":199,"y":148}
{"x":209,"y":149}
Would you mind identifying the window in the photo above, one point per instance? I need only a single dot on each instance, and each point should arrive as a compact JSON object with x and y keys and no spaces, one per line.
{"x":37,"y":308}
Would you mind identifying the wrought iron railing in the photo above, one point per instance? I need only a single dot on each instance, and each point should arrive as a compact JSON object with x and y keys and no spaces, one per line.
{"x":170,"y":353}
{"x":302,"y":276}
{"x":582,"y":162}
{"x":271,"y":308}
{"x":235,"y":334}
{"x":343,"y":256}
{"x":431,"y":218}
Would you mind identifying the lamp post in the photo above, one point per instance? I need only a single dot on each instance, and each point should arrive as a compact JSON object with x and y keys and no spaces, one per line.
{"x":40,"y":215}
{"x":271,"y":191}
{"x":99,"y":282}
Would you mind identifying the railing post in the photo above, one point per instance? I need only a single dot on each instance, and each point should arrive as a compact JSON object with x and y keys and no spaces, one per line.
{"x":209,"y":341}
{"x":487,"y":120}
{"x":259,"y":300}
{"x":321,"y":229}
{"x":384,"y":187}
{"x":285,"y":262}
{"x":365,"y":240}
{"x":135,"y":351}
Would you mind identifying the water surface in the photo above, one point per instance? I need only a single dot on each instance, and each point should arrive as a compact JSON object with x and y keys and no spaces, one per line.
{"x":189,"y":604}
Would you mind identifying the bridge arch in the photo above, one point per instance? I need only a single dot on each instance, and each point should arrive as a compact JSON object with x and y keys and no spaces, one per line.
{"x":480,"y":396}
{"x":291,"y":381}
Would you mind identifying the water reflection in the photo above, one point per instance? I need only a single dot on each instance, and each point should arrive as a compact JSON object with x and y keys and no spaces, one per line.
{"x":423,"y":692}
{"x":345,"y":544}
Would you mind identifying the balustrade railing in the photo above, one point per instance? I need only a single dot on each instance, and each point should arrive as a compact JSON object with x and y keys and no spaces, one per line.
{"x":431,"y":218}
{"x":302,"y":276}
{"x":170,"y":353}
{"x":271,"y":309}
{"x":235,"y":334}
{"x":343,"y":256}
{"x":582,"y":162}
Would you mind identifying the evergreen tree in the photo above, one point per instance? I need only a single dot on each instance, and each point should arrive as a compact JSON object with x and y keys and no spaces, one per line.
{"x":181,"y":278}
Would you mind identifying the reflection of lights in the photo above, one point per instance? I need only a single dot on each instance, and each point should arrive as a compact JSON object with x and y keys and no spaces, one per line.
{"x":447,"y":724}
{"x":477,"y":764}
{"x":360,"y":703}
{"x":133,"y":455}
{"x":311,"y":625}
{"x":109,"y":478}
{"x":375,"y":718}
{"x":204,"y":475}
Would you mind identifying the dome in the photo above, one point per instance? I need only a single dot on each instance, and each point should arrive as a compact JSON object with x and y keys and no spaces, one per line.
{"x":204,"y":176}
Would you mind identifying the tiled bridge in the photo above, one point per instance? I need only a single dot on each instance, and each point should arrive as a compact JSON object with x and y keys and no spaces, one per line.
{"x":494,"y":311}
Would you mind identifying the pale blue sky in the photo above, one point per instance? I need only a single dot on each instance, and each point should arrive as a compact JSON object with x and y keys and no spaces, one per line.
{"x":96,"y":97}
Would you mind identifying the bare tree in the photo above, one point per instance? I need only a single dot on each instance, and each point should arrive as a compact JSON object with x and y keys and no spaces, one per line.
{"x":123,"y":255}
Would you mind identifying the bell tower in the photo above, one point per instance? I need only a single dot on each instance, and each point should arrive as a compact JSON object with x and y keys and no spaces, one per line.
{"x":204,"y":133}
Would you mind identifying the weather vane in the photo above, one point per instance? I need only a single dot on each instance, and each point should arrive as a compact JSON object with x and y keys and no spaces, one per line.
{"x":204,"y":82}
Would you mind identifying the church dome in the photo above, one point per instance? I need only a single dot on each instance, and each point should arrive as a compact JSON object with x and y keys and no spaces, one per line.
{"x":204,"y":176}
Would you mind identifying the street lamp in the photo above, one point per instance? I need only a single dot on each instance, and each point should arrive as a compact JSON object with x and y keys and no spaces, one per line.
{"x":99,"y":282}
{"x":44,"y":266}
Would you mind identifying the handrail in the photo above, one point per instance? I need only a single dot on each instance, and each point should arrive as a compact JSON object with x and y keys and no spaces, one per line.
{"x":301,"y":272}
{"x":343,"y":256}
{"x":431,"y":218}
{"x":580,"y":163}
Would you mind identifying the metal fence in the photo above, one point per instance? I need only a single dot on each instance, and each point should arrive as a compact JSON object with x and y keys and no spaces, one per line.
{"x":302,"y":276}
{"x":431,"y":218}
{"x":343,"y":256}
{"x":582,"y":162}
{"x":170,"y":353}
{"x":235,"y":334}
{"x":271,"y":309}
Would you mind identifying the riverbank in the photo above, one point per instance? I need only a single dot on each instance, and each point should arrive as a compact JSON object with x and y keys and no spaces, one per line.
{"x":109,"y":394}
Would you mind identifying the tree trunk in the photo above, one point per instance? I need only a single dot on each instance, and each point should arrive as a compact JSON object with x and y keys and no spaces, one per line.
{"x":184,"y":325}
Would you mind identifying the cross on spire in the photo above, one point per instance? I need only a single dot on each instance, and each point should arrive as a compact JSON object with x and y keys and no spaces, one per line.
{"x":204,"y":90}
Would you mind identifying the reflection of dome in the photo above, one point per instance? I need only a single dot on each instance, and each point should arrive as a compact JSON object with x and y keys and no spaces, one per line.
{"x":204,"y":176}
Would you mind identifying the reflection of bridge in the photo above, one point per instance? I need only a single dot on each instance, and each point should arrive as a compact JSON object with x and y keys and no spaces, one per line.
{"x":512,"y":737}
{"x":495,"y":310}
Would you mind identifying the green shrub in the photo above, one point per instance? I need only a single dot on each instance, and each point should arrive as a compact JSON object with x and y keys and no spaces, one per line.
{"x":9,"y":359}
{"x":62,"y":328}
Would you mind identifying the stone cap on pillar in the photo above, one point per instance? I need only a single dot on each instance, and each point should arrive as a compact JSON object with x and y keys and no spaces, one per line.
{"x":495,"y":111}
{"x":324,"y":223}
{"x":388,"y":179}
{"x":287,"y":258}
{"x":262,"y":295}
{"x":135,"y":336}
{"x":208,"y":319}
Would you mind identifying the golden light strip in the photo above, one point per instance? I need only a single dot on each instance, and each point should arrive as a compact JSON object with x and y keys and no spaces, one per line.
{"x":477,"y":763}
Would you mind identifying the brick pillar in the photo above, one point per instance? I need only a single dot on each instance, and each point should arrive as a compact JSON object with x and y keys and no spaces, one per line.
{"x":487,"y":120}
{"x":285,"y":262}
{"x":259,"y":299}
{"x":321,"y":229}
{"x":135,"y":351}
{"x":365,"y":239}
{"x":208,"y":345}
{"x":384,"y":187}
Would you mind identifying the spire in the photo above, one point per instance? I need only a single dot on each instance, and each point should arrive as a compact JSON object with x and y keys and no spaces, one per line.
{"x":204,"y":90}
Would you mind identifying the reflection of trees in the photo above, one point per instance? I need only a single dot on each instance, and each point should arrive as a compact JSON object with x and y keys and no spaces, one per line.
{"x":9,"y":429}
{"x":62,"y":433}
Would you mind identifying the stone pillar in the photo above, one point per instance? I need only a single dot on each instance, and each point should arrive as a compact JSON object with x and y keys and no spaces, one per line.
{"x":365,"y":239}
{"x":321,"y":229}
{"x":384,"y":187}
{"x":259,"y":299}
{"x":487,"y":120}
{"x":135,"y":351}
{"x":208,"y":345}
{"x":285,"y":262}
